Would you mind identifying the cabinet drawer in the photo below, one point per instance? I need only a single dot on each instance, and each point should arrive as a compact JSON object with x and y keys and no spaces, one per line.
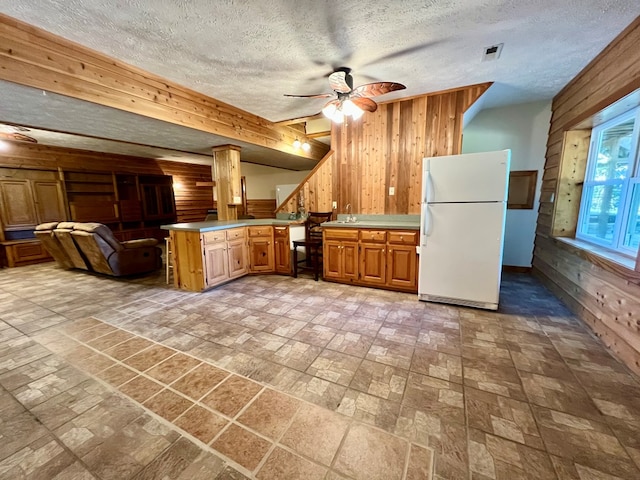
{"x":403,"y":238}
{"x":213,"y":237}
{"x":340,"y":233}
{"x":373,"y":236}
{"x":264,"y":231}
{"x":281,"y":232}
{"x":235,"y":233}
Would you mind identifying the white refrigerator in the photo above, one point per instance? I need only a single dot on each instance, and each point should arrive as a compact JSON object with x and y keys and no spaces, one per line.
{"x":464,"y":205}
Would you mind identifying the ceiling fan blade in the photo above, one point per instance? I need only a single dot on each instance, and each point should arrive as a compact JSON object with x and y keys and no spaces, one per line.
{"x":376,"y":88}
{"x":365,"y":103}
{"x":318,"y":95}
{"x":339,"y":81}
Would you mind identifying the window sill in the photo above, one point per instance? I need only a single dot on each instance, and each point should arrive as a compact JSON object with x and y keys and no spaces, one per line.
{"x":611,"y":261}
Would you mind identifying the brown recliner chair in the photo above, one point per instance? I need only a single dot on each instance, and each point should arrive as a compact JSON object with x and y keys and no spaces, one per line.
{"x":63,"y":233}
{"x":44,"y":233}
{"x":107,"y":255}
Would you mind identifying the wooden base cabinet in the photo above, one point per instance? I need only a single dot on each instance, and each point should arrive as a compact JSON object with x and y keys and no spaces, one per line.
{"x":261,"y":251}
{"x":380,"y":258}
{"x":225,"y":256}
{"x":282,"y":250}
{"x":340,"y":254}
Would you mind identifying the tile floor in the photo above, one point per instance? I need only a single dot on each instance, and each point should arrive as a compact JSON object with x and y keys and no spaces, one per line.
{"x":272,"y":377}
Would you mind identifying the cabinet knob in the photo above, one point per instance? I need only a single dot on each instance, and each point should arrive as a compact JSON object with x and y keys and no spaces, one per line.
{"x":401,"y":238}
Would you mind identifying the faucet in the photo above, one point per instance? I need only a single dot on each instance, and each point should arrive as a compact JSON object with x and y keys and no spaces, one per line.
{"x":350,"y":218}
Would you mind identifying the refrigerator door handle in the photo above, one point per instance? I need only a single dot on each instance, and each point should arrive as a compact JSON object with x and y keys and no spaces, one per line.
{"x":426,"y":224}
{"x":427,"y":186}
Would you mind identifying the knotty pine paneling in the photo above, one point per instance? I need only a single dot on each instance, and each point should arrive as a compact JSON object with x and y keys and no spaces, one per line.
{"x":385,"y":149}
{"x":605,"y":295}
{"x":191,"y":202}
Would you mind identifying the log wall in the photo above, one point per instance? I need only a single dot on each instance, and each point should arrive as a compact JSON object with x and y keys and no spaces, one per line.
{"x":602,"y":293}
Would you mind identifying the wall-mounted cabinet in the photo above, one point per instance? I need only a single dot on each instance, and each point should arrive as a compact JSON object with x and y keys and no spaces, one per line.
{"x":27,"y":198}
{"x":158,"y":202}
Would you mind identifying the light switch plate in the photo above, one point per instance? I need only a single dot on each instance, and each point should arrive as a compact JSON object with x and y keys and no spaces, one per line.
{"x":237,"y":200}
{"x":334,"y":205}
{"x":392,"y":190}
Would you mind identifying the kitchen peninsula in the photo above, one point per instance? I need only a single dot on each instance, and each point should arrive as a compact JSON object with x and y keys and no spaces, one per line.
{"x":375,"y":250}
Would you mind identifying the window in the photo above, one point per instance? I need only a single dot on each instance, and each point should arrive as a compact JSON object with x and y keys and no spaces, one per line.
{"x":610,"y":205}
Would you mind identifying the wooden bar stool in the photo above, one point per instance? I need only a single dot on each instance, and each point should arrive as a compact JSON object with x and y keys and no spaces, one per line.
{"x":312,"y":244}
{"x":312,"y":260}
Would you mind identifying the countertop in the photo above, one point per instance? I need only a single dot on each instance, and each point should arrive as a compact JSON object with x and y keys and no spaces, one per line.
{"x":225,"y":224}
{"x":404,"y":222}
{"x":389,"y":222}
{"x":374,"y":224}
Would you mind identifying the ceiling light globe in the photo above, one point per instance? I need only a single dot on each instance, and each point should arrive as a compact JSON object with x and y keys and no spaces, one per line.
{"x":296,"y":143}
{"x":306,"y":147}
{"x":329,"y":110}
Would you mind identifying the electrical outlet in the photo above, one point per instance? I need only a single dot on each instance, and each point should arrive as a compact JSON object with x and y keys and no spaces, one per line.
{"x":334,"y":205}
{"x":392,"y":191}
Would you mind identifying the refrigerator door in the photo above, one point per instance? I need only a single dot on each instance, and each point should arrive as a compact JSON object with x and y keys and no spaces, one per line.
{"x":461,"y":260}
{"x":473,"y":177}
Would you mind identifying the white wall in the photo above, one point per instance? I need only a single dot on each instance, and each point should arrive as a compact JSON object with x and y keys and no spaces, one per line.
{"x":524,"y":129}
{"x":261,"y":181}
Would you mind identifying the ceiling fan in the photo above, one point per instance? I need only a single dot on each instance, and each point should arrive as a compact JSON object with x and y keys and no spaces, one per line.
{"x":351,"y":102}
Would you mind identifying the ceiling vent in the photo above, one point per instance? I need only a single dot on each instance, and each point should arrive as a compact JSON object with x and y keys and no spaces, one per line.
{"x":492,"y":53}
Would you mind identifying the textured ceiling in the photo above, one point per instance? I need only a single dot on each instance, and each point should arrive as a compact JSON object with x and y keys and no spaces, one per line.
{"x":249,"y":53}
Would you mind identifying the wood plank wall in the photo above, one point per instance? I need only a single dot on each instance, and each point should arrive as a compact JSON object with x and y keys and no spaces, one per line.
{"x":385,"y":149}
{"x":191,"y":202}
{"x":604,"y":295}
{"x":261,"y":208}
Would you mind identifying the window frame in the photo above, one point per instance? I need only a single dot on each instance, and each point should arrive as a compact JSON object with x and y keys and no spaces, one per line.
{"x":627,"y":184}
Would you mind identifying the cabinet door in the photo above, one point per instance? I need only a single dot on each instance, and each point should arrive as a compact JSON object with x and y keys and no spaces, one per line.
{"x":237,"y":253}
{"x":373,"y":263}
{"x":216,"y":264}
{"x":282,"y":250}
{"x":402,"y":263}
{"x":261,"y":254}
{"x":18,"y":207}
{"x":49,"y":203}
{"x":349,"y":261}
{"x":331,"y":259}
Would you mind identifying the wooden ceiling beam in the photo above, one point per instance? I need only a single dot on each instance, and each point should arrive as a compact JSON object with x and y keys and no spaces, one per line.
{"x":33,"y":57}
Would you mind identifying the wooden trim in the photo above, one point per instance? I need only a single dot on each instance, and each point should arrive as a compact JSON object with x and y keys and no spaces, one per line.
{"x":482,"y":86}
{"x":205,"y":184}
{"x":293,"y":194}
{"x":319,"y":134}
{"x":518,"y":199}
{"x":293,"y":121}
{"x":515,"y":269}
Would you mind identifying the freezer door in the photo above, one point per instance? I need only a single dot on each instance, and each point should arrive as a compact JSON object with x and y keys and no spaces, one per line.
{"x":461,"y":260}
{"x":474,"y":177}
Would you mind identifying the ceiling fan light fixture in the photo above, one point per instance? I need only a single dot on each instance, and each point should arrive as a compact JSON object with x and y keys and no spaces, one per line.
{"x":329,"y":110}
{"x":350,"y":109}
{"x":296,"y":143}
{"x":306,"y":147}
